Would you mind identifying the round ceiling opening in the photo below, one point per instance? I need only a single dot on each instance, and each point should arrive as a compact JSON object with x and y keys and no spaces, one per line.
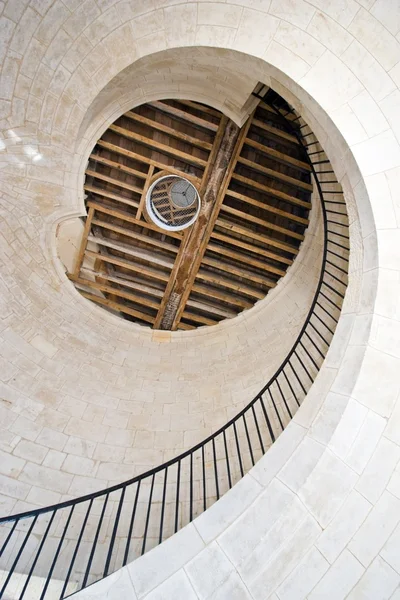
{"x":140,"y":256}
{"x":172,"y":203}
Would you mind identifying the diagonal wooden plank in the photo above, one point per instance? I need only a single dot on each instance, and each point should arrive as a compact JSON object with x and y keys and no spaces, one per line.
{"x":143,"y":196}
{"x":267,"y":224}
{"x":292,"y":181}
{"x":185,"y":116}
{"x":169,"y":130}
{"x":119,"y":307}
{"x":194,"y":245}
{"x":163,"y":148}
{"x":130,"y":219}
{"x":279,"y":156}
{"x":144,"y":159}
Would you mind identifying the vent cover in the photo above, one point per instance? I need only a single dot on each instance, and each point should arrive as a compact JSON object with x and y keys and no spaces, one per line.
{"x":172,"y":203}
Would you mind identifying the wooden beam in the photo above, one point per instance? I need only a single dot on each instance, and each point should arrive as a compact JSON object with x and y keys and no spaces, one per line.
{"x":194,"y":246}
{"x":237,"y":286}
{"x":82,"y":248}
{"x":252,"y":183}
{"x":251,"y":219}
{"x":144,"y":192}
{"x":145,"y":159}
{"x":113,"y":290}
{"x":253,"y":235}
{"x":131,"y":219}
{"x":123,"y":279}
{"x":186,"y":326}
{"x":267,"y":107}
{"x":117,"y":182}
{"x":211,"y":292}
{"x":120,"y":262}
{"x":267,"y":207}
{"x":199,"y":318}
{"x":135,"y":252}
{"x":292,"y":181}
{"x":181,"y":114}
{"x":239,"y":243}
{"x":200,"y":107}
{"x":279,"y":156}
{"x":110,"y":195}
{"x":163,"y":148}
{"x":119,"y":166}
{"x":244,"y":258}
{"x":119,"y":307}
{"x":238,"y":271}
{"x":211,"y":308}
{"x":219,"y":161}
{"x":136,"y":236}
{"x":213,"y":154}
{"x":185,"y":137}
{"x":275,"y":131}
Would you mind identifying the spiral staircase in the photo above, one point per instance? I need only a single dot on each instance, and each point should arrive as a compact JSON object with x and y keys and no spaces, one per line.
{"x":56,"y":551}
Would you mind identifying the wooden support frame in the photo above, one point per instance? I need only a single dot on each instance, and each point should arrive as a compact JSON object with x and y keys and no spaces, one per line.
{"x":181,"y":114}
{"x":188,"y":261}
{"x":249,"y":232}
{"x":163,"y":148}
{"x":147,"y":184}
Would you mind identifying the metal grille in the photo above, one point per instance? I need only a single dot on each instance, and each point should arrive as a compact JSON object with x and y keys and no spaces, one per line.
{"x":173,"y":202}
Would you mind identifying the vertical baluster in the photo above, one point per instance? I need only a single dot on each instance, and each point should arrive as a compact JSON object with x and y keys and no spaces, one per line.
{"x":215,"y":469}
{"x":163,"y":505}
{"x":57,"y":553}
{"x":304,"y":367}
{"x":319,"y":333}
{"x":257,"y":427}
{"x":178,"y":482}
{"x":191,"y":489}
{"x":276,"y":410}
{"x":20,"y":551}
{"x":290,"y":387}
{"x":4,"y":546}
{"x":148,"y":514}
{"x":78,"y":543}
{"x":264,"y":410}
{"x":49,"y":524}
{"x":114,"y":533}
{"x":315,"y":345}
{"x":308,"y":354}
{"x":96,"y":537}
{"x":204,"y":479}
{"x":128,"y":539}
{"x":238,"y":449}
{"x":248,"y":438}
{"x":228,"y":468}
{"x":297,"y":377}
{"x":283,"y":397}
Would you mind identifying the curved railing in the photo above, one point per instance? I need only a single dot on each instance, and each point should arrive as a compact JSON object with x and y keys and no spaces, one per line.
{"x":57,"y":550}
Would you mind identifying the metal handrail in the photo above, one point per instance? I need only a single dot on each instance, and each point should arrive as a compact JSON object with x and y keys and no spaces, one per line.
{"x":228,"y":453}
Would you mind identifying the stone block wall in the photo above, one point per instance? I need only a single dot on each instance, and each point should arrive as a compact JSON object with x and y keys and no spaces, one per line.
{"x":338,"y":63}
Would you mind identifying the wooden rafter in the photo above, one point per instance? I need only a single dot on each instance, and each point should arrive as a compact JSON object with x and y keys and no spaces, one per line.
{"x":255,"y":196}
{"x":195,"y":244}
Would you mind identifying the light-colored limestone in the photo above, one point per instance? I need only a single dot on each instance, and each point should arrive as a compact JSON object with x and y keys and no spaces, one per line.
{"x":376,"y":529}
{"x":340,"y":579}
{"x":37,"y":301}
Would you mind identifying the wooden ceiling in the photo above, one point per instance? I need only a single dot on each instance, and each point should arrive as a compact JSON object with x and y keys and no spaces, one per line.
{"x":255,"y":189}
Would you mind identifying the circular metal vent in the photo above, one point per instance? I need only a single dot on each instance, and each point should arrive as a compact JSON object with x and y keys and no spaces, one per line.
{"x":172,"y":203}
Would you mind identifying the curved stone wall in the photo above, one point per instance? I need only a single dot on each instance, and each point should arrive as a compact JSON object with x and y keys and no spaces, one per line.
{"x":87,"y":399}
{"x":332,"y":474}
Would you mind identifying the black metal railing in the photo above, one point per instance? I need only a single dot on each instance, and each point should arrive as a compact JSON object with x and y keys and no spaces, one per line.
{"x":57,"y":550}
